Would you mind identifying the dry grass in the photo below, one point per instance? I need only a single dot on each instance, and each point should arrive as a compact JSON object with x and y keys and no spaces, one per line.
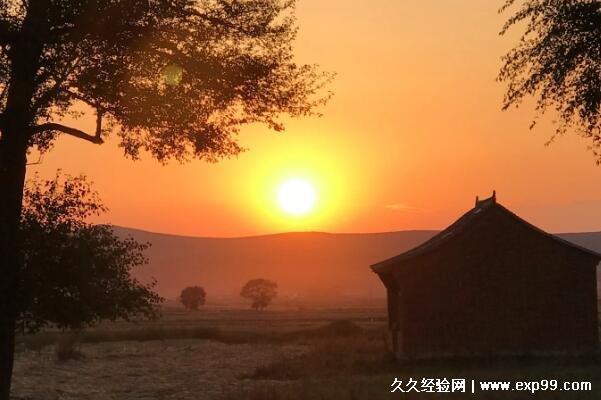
{"x":259,"y":356}
{"x":142,"y":334}
{"x":67,"y":348}
{"x":255,"y":331}
{"x":175,"y":358}
{"x":172,"y":369}
{"x":359,"y":367}
{"x":333,"y":354}
{"x":351,"y":388}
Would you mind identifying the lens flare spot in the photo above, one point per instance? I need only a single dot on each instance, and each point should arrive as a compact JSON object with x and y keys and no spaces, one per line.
{"x":172,"y":74}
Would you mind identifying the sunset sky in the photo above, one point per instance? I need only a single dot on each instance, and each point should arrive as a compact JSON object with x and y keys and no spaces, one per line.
{"x":413,"y":133}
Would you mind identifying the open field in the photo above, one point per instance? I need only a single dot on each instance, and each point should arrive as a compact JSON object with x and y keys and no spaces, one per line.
{"x":274,"y":355}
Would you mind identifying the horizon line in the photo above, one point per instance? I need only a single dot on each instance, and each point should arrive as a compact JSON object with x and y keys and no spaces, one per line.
{"x":306,"y":232}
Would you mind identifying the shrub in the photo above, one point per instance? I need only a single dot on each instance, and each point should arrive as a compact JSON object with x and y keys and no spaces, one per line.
{"x":76,"y":273}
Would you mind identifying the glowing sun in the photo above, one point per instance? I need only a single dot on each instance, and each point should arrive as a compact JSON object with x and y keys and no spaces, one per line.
{"x":296,"y":196}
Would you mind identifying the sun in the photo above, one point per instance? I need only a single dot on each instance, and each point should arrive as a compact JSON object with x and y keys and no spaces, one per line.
{"x":296,"y":196}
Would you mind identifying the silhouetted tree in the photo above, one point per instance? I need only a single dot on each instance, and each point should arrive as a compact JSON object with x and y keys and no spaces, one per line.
{"x":76,"y":274}
{"x":192,"y":297}
{"x":176,"y":78}
{"x":558,"y":60}
{"x":260,"y":291}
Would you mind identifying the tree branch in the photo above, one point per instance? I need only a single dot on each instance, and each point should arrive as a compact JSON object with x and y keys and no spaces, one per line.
{"x":56,"y":88}
{"x":220,"y":22}
{"x":52,"y":126}
{"x":81,"y":98}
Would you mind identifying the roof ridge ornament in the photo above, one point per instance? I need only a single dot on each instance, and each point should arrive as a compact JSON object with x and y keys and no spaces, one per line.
{"x":490,"y":200}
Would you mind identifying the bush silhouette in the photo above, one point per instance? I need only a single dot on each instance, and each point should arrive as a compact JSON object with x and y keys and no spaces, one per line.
{"x":193,"y":297}
{"x":260,"y":291}
{"x":75,"y":273}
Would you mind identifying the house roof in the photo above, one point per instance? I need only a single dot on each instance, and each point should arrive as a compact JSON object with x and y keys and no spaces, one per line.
{"x":481,"y":208}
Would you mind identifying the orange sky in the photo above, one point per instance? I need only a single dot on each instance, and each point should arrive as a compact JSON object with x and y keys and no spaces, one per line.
{"x":413,"y":133}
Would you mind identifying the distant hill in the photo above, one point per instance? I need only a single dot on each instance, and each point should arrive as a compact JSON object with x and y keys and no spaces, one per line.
{"x":310,"y":267}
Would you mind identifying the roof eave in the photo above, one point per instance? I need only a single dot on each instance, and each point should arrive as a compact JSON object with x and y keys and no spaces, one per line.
{"x":385,"y":266}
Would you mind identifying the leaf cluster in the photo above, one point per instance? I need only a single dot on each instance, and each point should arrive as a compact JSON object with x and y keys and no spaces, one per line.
{"x":116,"y":59}
{"x":75,"y":273}
{"x":558,"y":61}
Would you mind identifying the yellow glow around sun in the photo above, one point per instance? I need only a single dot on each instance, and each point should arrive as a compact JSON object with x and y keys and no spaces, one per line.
{"x":295,"y":186}
{"x":296,"y":196}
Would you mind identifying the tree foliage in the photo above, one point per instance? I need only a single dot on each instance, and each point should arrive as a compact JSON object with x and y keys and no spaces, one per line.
{"x":558,"y":60}
{"x":174,"y":78}
{"x":177,"y":78}
{"x":260,"y":291}
{"x":75,"y":273}
{"x":193,"y":297}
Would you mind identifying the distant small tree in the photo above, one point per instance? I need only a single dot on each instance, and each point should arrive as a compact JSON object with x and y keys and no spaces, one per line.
{"x":76,"y":274}
{"x":260,"y":291}
{"x":192,"y":297}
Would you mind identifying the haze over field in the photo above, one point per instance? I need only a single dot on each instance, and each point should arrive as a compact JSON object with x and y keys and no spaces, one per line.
{"x":310,"y":267}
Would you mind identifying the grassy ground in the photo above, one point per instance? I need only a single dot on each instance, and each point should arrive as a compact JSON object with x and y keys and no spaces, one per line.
{"x":223,"y":325}
{"x":360,"y":367}
{"x":274,"y":355}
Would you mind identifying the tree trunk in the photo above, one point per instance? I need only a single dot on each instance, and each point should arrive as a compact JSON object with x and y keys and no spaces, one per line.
{"x":13,"y":161}
{"x":12,"y":177}
{"x":15,"y":124}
